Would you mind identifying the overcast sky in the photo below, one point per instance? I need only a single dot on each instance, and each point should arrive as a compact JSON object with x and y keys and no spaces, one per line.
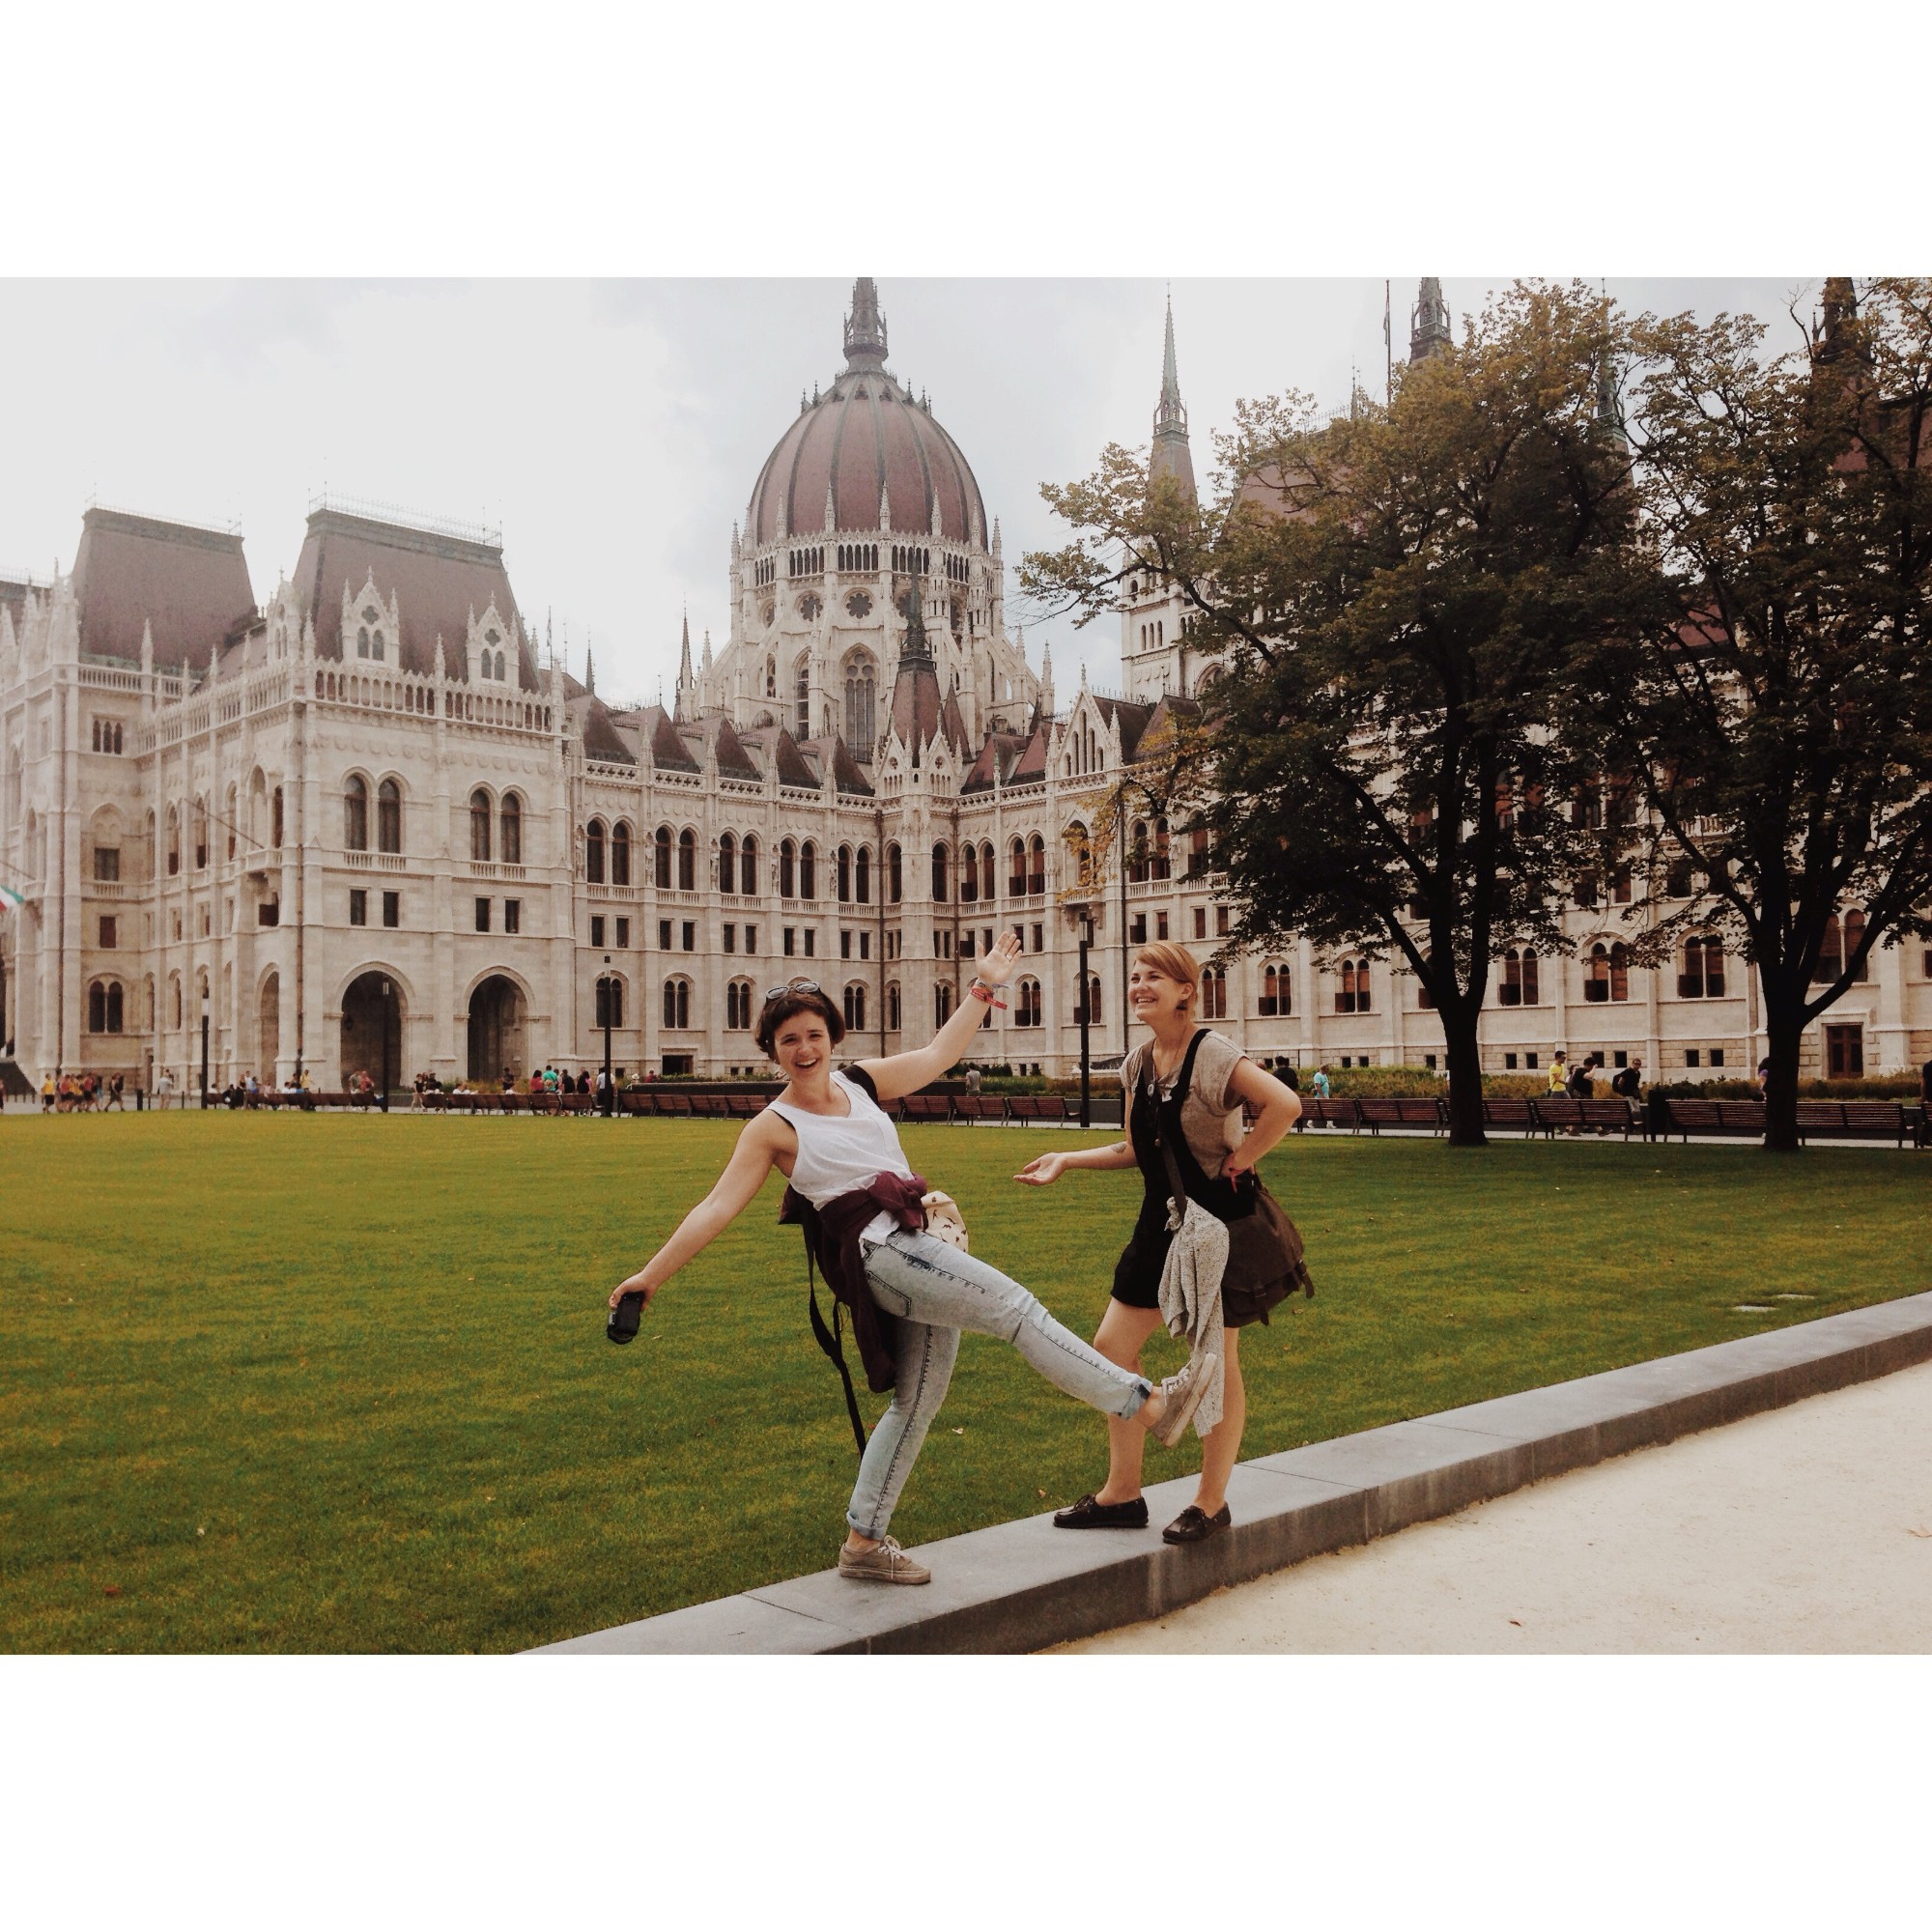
{"x":613,"y":429}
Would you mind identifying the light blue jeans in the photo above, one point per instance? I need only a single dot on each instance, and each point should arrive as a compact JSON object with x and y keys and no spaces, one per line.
{"x":935,"y":1290}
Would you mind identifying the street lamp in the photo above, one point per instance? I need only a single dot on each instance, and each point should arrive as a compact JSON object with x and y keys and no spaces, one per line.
{"x":1084,"y":917}
{"x":389,"y":994}
{"x":203,"y":1052}
{"x":608,"y":1108}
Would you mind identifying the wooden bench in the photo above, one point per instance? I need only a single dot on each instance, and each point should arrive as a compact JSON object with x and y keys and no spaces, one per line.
{"x":975,"y":1107}
{"x":1860,"y":1120}
{"x":745,"y":1106}
{"x":926,"y":1107}
{"x":1684,"y":1118}
{"x":1615,"y":1115}
{"x":1023,"y":1107}
{"x":1377,"y":1113}
{"x":1331,"y":1113}
{"x":1510,"y":1116}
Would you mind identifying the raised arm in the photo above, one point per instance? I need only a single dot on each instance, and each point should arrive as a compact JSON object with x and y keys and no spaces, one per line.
{"x":733,"y":1191}
{"x":907,"y":1073}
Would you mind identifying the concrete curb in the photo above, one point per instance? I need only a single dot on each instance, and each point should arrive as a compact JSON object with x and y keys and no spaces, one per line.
{"x":1022,"y":1586}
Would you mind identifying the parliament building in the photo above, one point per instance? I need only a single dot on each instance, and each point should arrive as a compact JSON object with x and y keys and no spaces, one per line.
{"x":369,"y":822}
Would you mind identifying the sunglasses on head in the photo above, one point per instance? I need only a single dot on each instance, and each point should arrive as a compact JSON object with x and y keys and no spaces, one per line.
{"x":791,"y":986}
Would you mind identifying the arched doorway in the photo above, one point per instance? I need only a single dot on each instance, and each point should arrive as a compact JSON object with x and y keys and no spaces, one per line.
{"x":269,"y":1030}
{"x":372,"y":1020}
{"x":497,"y":1031}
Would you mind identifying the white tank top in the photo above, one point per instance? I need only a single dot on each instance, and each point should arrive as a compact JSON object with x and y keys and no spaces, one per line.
{"x":836,"y":1156}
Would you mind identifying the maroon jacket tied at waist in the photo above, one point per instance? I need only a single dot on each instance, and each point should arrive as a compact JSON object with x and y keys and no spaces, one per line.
{"x":832,"y":1234}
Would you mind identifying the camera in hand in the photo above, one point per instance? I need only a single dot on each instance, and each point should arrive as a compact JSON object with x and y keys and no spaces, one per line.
{"x":622,"y":1325}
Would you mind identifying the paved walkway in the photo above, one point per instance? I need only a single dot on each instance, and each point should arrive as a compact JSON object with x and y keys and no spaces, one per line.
{"x":1808,"y":1529}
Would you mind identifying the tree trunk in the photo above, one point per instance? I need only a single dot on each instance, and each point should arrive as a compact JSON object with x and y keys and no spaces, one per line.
{"x":1466,"y":1077}
{"x":1784,"y":1027}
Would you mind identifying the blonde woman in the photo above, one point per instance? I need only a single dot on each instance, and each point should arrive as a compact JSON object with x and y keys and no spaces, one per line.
{"x":1198,"y":1091}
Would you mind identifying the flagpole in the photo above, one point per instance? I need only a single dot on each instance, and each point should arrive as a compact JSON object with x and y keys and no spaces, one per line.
{"x":1388,"y":348}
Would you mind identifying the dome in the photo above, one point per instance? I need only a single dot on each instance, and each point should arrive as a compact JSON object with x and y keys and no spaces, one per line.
{"x":866,"y":437}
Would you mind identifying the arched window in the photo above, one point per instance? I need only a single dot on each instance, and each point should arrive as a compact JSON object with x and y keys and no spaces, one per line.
{"x":968,"y":874}
{"x":1094,"y":1013}
{"x":232,"y":813}
{"x":388,"y":816}
{"x":892,"y":1006}
{"x":862,"y":884}
{"x":1213,"y":993}
{"x":610,"y":1000}
{"x":479,"y":827}
{"x":175,"y":997}
{"x":855,"y":1007}
{"x":1606,"y":974}
{"x":174,"y":842}
{"x":939,"y":870}
{"x":96,"y":1008}
{"x":1275,"y":1000}
{"x":738,"y":1005}
{"x":1353,"y":994}
{"x":860,"y":690}
{"x":727,"y":863}
{"x":1842,"y":938}
{"x":1036,"y":866}
{"x":807,"y":871}
{"x":895,"y":875}
{"x":661,"y":845}
{"x":1703,"y":974}
{"x":1519,"y":987}
{"x":677,"y":1005}
{"x":1016,"y":882}
{"x":843,"y":874}
{"x":510,"y":824}
{"x":1163,"y":856}
{"x":1027,"y":1009}
{"x":276,"y":813}
{"x":687,"y":861}
{"x":593,"y":852}
{"x":1137,"y":852}
{"x":620,"y":853}
{"x":988,"y":881}
{"x":942,"y":1003}
{"x":201,"y":833}
{"x":355,"y":815}
{"x":747,"y":867}
{"x":801,"y":685}
{"x":787,"y":869}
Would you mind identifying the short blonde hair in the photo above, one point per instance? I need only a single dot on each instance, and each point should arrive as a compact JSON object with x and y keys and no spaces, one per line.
{"x":1172,"y":962}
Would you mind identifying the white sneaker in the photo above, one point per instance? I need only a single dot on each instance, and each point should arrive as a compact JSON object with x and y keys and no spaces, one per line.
{"x":884,"y":1563}
{"x":1183,"y":1393}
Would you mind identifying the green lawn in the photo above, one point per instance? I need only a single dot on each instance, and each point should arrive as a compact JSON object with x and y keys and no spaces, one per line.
{"x":337,"y":1383}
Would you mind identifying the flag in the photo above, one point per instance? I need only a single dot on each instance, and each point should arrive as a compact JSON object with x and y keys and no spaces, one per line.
{"x":11,"y":896}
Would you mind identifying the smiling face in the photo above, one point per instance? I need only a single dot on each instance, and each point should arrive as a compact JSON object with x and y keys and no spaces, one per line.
{"x":1156,"y":997}
{"x":802,"y":1045}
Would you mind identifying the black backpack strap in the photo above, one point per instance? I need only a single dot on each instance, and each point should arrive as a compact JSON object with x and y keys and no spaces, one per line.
{"x":832,"y":1341}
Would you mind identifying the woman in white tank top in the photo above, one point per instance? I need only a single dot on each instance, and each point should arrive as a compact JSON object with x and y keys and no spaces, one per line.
{"x":829,"y":1135}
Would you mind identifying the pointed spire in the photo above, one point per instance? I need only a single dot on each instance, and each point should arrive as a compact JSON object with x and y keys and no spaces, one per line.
{"x":831,"y":510}
{"x":684,"y":651}
{"x":916,"y":644}
{"x":707,"y":648}
{"x":1836,"y":338}
{"x":1428,"y":325}
{"x":865,"y":329}
{"x":590,"y":671}
{"x":1171,"y":454}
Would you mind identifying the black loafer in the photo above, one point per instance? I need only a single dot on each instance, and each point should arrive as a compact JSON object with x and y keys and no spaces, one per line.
{"x":1195,"y":1525}
{"x":1087,"y":1514}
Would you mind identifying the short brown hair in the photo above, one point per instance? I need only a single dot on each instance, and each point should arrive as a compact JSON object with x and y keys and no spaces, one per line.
{"x":1173,"y":962}
{"x":788,"y":1003}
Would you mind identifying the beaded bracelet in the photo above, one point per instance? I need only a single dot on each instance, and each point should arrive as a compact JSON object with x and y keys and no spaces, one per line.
{"x":979,"y":990}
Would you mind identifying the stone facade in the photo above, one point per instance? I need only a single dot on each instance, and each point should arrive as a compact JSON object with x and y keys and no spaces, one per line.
{"x":368,"y":810}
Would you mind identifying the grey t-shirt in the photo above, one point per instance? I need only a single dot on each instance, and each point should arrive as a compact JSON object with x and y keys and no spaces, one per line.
{"x":1211,"y":1098}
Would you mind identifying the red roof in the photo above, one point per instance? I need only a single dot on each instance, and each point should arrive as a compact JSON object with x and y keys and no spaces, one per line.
{"x":190,"y":584}
{"x":866,"y":435}
{"x":437,"y":582}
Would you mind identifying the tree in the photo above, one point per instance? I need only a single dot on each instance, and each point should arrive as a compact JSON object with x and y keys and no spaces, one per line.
{"x":1776,"y":706}
{"x":1397,"y":595}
